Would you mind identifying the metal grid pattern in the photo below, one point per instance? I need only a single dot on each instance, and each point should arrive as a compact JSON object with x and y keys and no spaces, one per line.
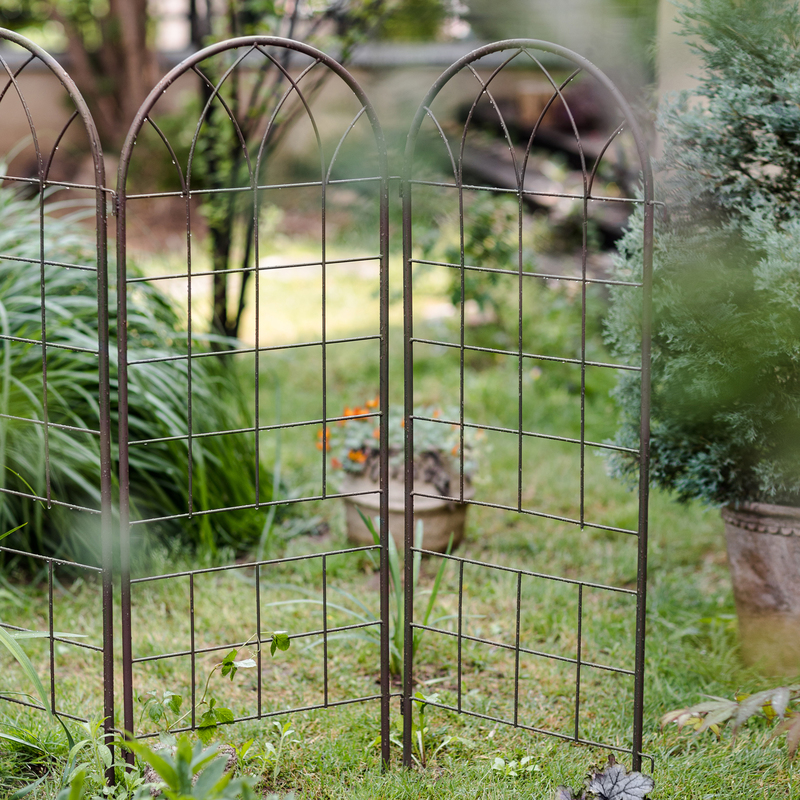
{"x":296,"y":72}
{"x":36,"y":165}
{"x":526,"y":53}
{"x":298,"y":68}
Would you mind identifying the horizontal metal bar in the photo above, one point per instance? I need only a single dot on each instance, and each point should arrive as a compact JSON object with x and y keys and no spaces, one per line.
{"x":58,"y":184}
{"x":253,"y":564}
{"x":529,"y":512}
{"x":46,"y":637}
{"x":261,"y":429}
{"x":258,"y":188}
{"x":527,"y":651}
{"x":60,"y":561}
{"x":51,"y":502}
{"x":516,"y":354}
{"x":56,"y":425}
{"x":517,"y":273}
{"x":37,"y":707}
{"x":532,"y":434}
{"x":532,"y":193}
{"x":70,"y":347}
{"x":271,"y":348}
{"x":4,"y":257}
{"x":267,"y":714}
{"x":269,"y":268}
{"x":220,"y":647}
{"x":564,"y":736}
{"x":528,"y":573}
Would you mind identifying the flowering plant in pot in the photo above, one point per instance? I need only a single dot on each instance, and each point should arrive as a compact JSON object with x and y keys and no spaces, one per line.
{"x":354,"y":447}
{"x":726,"y":309}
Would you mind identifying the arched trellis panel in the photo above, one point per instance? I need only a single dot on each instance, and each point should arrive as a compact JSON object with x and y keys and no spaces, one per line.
{"x":461,"y":184}
{"x":55,"y":430}
{"x":256,"y":99}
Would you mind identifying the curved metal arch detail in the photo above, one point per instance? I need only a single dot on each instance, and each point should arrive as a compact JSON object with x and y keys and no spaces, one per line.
{"x":522,"y":48}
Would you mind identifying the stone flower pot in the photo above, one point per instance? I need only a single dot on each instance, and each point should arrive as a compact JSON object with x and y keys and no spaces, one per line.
{"x":440,"y":518}
{"x":764,"y":558}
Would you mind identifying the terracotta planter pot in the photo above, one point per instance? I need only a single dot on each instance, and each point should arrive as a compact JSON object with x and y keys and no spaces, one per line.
{"x":440,"y":518}
{"x":764,"y":559}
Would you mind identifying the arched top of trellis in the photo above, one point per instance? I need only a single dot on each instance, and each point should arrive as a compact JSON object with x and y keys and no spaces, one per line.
{"x":278,"y":53}
{"x":516,"y":50}
{"x":44,"y":158}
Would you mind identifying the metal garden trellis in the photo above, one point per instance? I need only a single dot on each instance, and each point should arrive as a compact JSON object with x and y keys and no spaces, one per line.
{"x":307,"y":65}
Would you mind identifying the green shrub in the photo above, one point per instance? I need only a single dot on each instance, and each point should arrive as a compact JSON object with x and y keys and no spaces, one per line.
{"x":223,"y":471}
{"x":726,"y":283}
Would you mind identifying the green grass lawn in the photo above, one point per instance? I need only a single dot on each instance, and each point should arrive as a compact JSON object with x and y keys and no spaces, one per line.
{"x":691,"y":644}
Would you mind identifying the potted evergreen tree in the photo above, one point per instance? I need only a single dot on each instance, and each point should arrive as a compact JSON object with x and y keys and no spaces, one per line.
{"x":726,"y":304}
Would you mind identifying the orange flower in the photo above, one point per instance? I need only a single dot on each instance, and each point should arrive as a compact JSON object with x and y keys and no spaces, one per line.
{"x":373,"y":403}
{"x":454,"y":451}
{"x":437,"y":413}
{"x":358,"y":456}
{"x":327,"y":436}
{"x":349,"y":412}
{"x":335,"y":463}
{"x":376,"y":434}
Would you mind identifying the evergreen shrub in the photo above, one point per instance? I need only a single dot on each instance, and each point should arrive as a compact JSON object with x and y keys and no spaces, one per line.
{"x":726,"y":273}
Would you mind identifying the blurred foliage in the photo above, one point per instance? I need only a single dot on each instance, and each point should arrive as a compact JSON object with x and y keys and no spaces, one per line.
{"x":726,"y":293}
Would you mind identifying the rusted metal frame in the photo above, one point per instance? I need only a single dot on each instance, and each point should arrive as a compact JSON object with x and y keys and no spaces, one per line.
{"x":99,"y":187}
{"x":408,"y":181}
{"x":257,"y":43}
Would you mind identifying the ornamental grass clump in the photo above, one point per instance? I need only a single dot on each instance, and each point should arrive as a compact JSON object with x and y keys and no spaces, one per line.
{"x":726,"y":273}
{"x":223,"y":471}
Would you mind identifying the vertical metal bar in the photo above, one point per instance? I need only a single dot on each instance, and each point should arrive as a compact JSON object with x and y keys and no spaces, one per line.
{"x":124,"y":472}
{"x":43,"y":300}
{"x":257,"y":336}
{"x":189,"y":426}
{"x":106,"y":482}
{"x":520,"y":359}
{"x":259,"y":677}
{"x":192,"y":649}
{"x":578,"y":663}
{"x":644,"y":478}
{"x":408,"y":467}
{"x":516,"y":650}
{"x":462,"y":329}
{"x":325,"y":627}
{"x":324,"y":345}
{"x":386,"y":687}
{"x":460,"y":624}
{"x":51,"y":636}
{"x":584,"y":247}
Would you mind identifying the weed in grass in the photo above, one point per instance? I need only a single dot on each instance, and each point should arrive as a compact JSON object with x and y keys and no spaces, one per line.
{"x":158,"y":705}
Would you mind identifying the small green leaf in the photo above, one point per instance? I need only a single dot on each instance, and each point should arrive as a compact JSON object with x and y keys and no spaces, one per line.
{"x":223,"y":715}
{"x":155,"y":711}
{"x":208,"y":720}
{"x":175,"y":701}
